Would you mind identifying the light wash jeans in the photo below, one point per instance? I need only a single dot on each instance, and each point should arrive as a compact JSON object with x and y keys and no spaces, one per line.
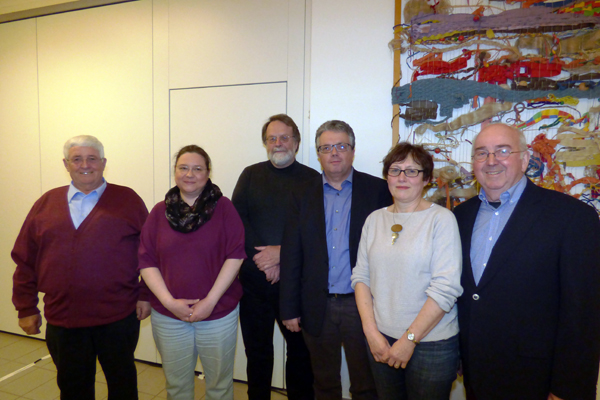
{"x":179,"y":344}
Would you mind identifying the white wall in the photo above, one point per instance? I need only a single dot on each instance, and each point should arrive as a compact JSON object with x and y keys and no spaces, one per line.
{"x":351,"y":74}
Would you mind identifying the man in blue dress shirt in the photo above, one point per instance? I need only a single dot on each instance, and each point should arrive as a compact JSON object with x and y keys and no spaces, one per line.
{"x":318,"y":253}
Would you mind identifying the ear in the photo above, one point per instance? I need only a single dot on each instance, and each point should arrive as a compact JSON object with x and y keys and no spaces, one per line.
{"x":66,"y":163}
{"x":525,"y":161}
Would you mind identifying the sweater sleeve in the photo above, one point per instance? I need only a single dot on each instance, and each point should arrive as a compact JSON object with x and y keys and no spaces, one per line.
{"x":147,"y":257}
{"x":139,"y":214}
{"x":577,"y":348}
{"x":240,"y":202}
{"x":235,"y":231}
{"x":361,"y":272}
{"x":446,"y":262}
{"x":292,"y":260}
{"x":24,"y":254}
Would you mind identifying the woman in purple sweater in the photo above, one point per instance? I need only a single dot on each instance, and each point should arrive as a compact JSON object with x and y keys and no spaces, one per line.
{"x":191,"y":249}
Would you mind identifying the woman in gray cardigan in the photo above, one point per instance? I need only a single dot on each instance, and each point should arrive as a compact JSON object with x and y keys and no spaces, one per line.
{"x":407,"y":280}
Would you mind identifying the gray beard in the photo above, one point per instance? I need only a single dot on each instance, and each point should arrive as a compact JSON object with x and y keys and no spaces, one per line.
{"x":281,"y":159}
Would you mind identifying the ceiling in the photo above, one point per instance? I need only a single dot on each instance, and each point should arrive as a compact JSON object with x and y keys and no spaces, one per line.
{"x":14,"y":10}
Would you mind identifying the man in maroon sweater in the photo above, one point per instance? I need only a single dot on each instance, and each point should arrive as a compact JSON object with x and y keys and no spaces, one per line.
{"x":78,"y":246}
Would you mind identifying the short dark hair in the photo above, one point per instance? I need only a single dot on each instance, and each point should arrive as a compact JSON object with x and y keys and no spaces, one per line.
{"x":417,"y":152}
{"x":192,"y":148}
{"x":286,"y":119}
{"x":335,"y":126}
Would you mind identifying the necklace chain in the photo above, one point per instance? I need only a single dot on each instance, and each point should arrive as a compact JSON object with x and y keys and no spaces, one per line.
{"x":397,"y":228}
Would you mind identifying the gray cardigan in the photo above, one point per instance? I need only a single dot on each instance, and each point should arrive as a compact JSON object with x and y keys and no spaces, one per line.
{"x":424,"y":262}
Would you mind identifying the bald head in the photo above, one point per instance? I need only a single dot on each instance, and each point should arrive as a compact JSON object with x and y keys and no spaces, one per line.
{"x":497,"y":176}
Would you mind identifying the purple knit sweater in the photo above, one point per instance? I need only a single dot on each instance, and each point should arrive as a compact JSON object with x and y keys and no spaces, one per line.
{"x":190,"y":262}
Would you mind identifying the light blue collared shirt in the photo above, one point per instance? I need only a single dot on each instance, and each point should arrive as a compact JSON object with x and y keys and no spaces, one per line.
{"x":490,"y":223}
{"x":81,"y":204}
{"x":337,"y":226}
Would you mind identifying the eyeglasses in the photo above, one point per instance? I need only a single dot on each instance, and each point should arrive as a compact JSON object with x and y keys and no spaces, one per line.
{"x":410,"y":173}
{"x":273,"y":139}
{"x":184,"y":169}
{"x":89,"y":160}
{"x":500,"y":154}
{"x":340,"y":147}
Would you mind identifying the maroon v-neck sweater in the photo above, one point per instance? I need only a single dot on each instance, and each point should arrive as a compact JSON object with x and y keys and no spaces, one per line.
{"x":89,"y":275}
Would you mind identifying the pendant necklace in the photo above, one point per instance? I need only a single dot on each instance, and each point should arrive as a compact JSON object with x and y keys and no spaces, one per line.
{"x":396,"y":228}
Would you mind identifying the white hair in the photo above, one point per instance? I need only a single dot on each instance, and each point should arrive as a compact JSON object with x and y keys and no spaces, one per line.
{"x":84,"y":141}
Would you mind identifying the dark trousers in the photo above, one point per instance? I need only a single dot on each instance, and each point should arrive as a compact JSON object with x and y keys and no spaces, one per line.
{"x":74,"y":353}
{"x":469,"y":392}
{"x":259,"y":309}
{"x":342,"y":326}
{"x":428,"y":376}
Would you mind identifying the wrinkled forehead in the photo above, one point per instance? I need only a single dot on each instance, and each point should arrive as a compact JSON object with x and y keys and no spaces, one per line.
{"x":83,"y":151}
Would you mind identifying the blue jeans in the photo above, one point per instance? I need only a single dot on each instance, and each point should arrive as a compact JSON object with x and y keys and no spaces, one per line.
{"x":179,"y":344}
{"x":428,"y":375}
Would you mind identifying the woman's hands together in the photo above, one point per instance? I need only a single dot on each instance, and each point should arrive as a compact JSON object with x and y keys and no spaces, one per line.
{"x":398,"y":355}
{"x":379,"y":347}
{"x":191,"y":310}
{"x":401,"y":352}
{"x":182,"y":308}
{"x":201,"y":310}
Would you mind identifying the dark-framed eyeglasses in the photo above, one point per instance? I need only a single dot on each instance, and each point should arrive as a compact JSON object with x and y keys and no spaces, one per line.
{"x":410,"y":172}
{"x":283,"y":139}
{"x":500,"y":154}
{"x":340,"y":147}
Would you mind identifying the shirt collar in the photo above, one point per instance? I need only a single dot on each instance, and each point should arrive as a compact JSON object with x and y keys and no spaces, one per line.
{"x":511,"y":195}
{"x":348,"y":179}
{"x":73,"y":191}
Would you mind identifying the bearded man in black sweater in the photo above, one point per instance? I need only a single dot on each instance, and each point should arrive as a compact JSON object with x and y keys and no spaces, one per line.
{"x":261,"y":197}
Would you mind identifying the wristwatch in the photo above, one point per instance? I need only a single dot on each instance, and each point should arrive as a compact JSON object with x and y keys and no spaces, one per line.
{"x":411,"y":336}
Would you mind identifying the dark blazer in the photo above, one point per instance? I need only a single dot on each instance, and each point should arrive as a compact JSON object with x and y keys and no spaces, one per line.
{"x":304,"y":258}
{"x":532,"y":325}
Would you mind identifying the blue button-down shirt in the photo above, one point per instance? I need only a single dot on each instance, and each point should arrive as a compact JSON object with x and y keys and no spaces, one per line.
{"x":81,"y":204}
{"x":489,"y":224}
{"x":337,"y":225}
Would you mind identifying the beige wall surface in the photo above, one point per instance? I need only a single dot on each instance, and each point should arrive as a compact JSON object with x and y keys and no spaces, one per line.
{"x":95,"y":69}
{"x":19,"y":141}
{"x":227,"y":42}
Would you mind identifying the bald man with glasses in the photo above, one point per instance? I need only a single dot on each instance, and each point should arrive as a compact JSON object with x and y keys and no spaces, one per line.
{"x":529,"y":316}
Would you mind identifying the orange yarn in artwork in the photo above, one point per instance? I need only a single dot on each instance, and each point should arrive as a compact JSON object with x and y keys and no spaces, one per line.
{"x":545,"y":147}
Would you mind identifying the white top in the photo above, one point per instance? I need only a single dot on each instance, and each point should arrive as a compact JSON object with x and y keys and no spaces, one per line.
{"x":425,"y":261}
